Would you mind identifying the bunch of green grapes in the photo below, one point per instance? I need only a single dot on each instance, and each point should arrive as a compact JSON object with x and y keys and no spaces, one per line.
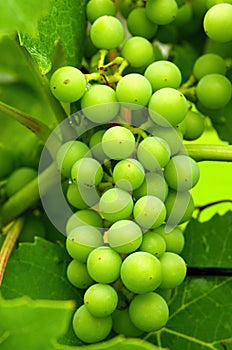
{"x":130,"y":178}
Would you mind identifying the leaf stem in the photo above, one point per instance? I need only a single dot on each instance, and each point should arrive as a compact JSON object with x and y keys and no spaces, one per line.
{"x":35,"y":125}
{"x":202,"y":152}
{"x":9,"y":244}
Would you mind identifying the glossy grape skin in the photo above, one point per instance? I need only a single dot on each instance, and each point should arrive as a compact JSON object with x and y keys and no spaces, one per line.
{"x":207,"y":64}
{"x":82,"y":240}
{"x":174,"y":238}
{"x":214,"y":90}
{"x":81,"y":197}
{"x":153,"y":153}
{"x":107,"y":32}
{"x":128,"y":174}
{"x":18,"y":179}
{"x":98,"y":8}
{"x":182,"y":173}
{"x":179,"y":206}
{"x":69,"y":153}
{"x":122,"y":324}
{"x":83,"y":217}
{"x":141,"y":272}
{"x":118,"y":142}
{"x":153,"y":243}
{"x":104,"y":265}
{"x":101,"y":300}
{"x":132,"y":90}
{"x":173,"y":270}
{"x":78,"y":275}
{"x":149,"y":212}
{"x":88,"y":328}
{"x":138,"y":24}
{"x":99,"y":103}
{"x":217,"y":22}
{"x":149,"y":312}
{"x":138,"y":51}
{"x":154,"y":184}
{"x":194,"y":123}
{"x":116,"y":204}
{"x":87,"y":171}
{"x":161,"y":11}
{"x":172,"y":136}
{"x":162,"y":74}
{"x":68,"y":84}
{"x":167,"y":107}
{"x":124,"y":236}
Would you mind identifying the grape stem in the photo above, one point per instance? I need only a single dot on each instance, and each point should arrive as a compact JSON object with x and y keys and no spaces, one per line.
{"x":9,"y":243}
{"x":203,"y":152}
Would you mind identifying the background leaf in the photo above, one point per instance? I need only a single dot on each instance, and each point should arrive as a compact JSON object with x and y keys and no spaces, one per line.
{"x":38,"y":270}
{"x":33,"y":324}
{"x":21,"y":14}
{"x":65,"y":24}
{"x":209,"y":244}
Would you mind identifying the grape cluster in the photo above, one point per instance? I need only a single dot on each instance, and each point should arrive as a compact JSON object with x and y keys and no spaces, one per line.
{"x":130,"y":177}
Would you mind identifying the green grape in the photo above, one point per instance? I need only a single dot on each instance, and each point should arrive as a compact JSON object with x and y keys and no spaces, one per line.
{"x":101,"y":300}
{"x":184,"y":15}
{"x":122,"y":324}
{"x":138,"y":51}
{"x":210,"y":3}
{"x":78,"y":275}
{"x":81,"y":197}
{"x":153,"y":153}
{"x":217,"y":22}
{"x":179,"y":206}
{"x":161,"y":11}
{"x":182,"y":173}
{"x":167,"y":107}
{"x":104,"y":265}
{"x":173,"y":270}
{"x":118,"y":142}
{"x":98,"y":8}
{"x":82,"y":240}
{"x":68,"y":84}
{"x":18,"y":179}
{"x":116,"y":204}
{"x":107,"y":32}
{"x":153,"y":243}
{"x":126,"y":7}
{"x":207,"y":64}
{"x":133,"y":91}
{"x":141,"y":272}
{"x":166,"y":293}
{"x":173,"y":237}
{"x":128,"y":174}
{"x":88,"y":328}
{"x":95,"y":144}
{"x":87,"y":171}
{"x":149,"y":312}
{"x":194,"y":125}
{"x":149,"y":212}
{"x":83,"y":217}
{"x":163,"y":74}
{"x":172,"y":136}
{"x":69,"y":153}
{"x":154,"y":184}
{"x":138,"y":24}
{"x":124,"y":236}
{"x":99,"y":103}
{"x":7,"y":163}
{"x":214,"y":90}
{"x":33,"y":227}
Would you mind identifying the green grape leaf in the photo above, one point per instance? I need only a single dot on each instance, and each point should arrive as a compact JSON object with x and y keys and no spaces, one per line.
{"x":21,"y":15}
{"x":33,"y":324}
{"x":184,"y":56}
{"x":222,"y":121}
{"x":38,"y":270}
{"x":64,"y":26}
{"x":200,"y":315}
{"x":209,"y":244}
